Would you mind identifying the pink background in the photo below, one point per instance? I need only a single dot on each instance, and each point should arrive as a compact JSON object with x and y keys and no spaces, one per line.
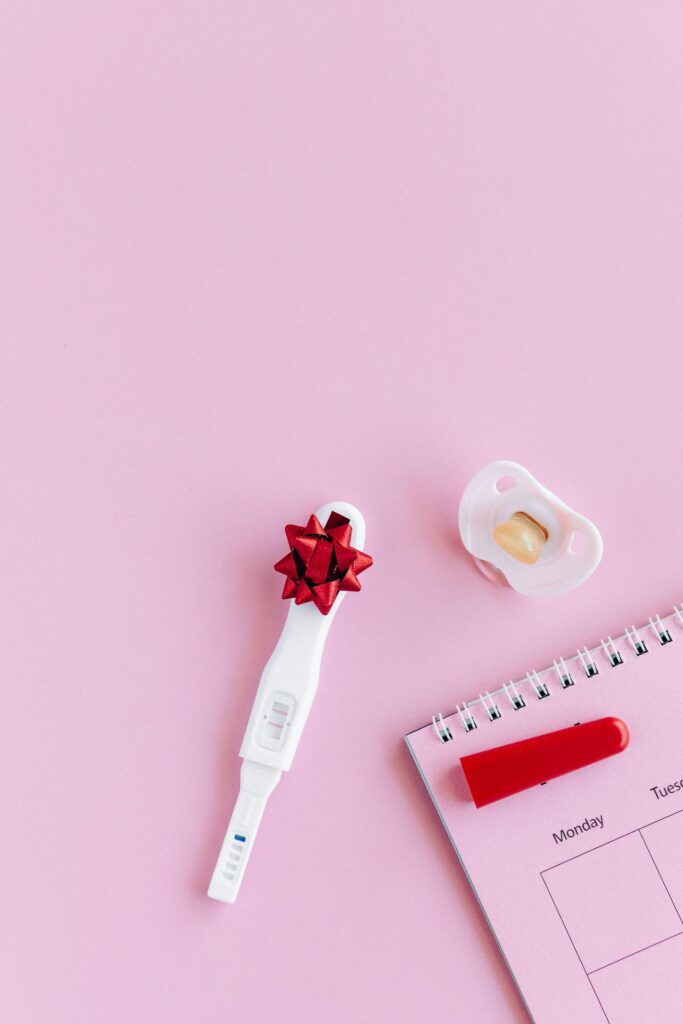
{"x":256,"y":257}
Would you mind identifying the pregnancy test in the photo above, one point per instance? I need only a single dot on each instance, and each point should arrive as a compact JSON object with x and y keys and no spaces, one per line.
{"x":280,"y":711}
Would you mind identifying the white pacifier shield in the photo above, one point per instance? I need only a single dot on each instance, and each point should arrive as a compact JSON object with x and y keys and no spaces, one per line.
{"x":574,"y":546}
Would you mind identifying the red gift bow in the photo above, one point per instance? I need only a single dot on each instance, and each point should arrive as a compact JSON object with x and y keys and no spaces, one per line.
{"x":321,"y":562}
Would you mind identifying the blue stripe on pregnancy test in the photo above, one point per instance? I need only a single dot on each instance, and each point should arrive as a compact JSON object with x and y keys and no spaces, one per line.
{"x":241,"y":839}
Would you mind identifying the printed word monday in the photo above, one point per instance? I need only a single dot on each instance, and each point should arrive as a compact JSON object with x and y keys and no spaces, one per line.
{"x":576,"y":830}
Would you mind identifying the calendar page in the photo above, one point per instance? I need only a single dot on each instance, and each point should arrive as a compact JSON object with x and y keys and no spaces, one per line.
{"x":581,"y":879}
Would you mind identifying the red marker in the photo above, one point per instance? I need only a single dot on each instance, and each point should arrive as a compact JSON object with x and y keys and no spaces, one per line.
{"x":495,"y":774}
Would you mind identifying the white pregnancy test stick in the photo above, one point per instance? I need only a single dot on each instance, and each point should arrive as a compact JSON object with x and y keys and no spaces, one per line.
{"x":283,"y":700}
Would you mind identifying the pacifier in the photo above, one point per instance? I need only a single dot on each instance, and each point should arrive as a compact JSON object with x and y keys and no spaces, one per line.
{"x":521,"y":535}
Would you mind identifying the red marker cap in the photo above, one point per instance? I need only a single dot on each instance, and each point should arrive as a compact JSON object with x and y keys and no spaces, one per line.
{"x":495,"y":774}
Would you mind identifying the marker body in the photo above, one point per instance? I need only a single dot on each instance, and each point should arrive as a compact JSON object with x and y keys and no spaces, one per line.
{"x":495,"y":774}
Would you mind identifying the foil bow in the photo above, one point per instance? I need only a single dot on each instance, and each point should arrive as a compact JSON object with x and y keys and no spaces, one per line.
{"x":321,"y":562}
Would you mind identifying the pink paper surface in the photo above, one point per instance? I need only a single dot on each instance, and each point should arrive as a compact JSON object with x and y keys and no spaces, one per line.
{"x":256,"y":257}
{"x":579,"y":878}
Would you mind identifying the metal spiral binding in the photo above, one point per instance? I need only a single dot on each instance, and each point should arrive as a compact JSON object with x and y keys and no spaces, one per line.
{"x":589,"y":666}
{"x":540,"y":687}
{"x":443,"y":731}
{"x":514,"y":696}
{"x":468,"y":721}
{"x":663,"y":634}
{"x":613,"y":655}
{"x":637,"y":643}
{"x":585,"y":658}
{"x":492,"y":709}
{"x":563,"y":674}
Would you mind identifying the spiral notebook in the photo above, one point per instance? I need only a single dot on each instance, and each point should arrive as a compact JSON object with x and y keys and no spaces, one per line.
{"x":581,"y":879}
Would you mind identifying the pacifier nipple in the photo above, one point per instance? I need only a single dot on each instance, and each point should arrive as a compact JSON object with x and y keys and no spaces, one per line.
{"x":522,"y":537}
